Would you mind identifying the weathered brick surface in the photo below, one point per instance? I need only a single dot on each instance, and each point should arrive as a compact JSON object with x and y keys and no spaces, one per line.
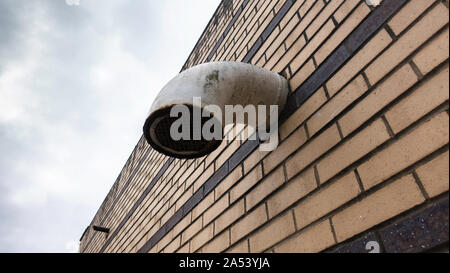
{"x":433,"y":54}
{"x":285,"y":149}
{"x":229,"y":216}
{"x":272,"y":233}
{"x":427,"y":97}
{"x":408,"y":14}
{"x":265,"y":187}
{"x":249,"y":223}
{"x":306,"y":110}
{"x":312,"y":151}
{"x":326,"y":200}
{"x":378,"y":207}
{"x":296,"y":189}
{"x":434,"y":175}
{"x":336,"y":105}
{"x":424,"y":140}
{"x":378,"y":98}
{"x":361,"y":144}
{"x":415,"y":37}
{"x":361,"y":59}
{"x":313,"y":239}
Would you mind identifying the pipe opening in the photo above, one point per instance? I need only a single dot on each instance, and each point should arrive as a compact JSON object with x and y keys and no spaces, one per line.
{"x":157,"y":132}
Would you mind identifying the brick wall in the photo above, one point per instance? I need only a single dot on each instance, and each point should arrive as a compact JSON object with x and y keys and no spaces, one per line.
{"x":364,"y":140}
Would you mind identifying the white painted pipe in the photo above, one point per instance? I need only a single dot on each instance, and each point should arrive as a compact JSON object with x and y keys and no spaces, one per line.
{"x":216,"y":83}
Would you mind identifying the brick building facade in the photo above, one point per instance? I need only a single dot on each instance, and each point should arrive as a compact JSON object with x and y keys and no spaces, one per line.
{"x":363,"y":152}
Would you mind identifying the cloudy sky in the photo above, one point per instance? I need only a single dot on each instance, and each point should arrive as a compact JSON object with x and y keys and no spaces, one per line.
{"x":76,"y":82}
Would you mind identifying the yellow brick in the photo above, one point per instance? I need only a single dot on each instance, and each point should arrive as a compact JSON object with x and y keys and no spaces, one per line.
{"x":312,"y":151}
{"x":218,"y":244}
{"x":304,"y":23}
{"x":292,"y":143}
{"x":229,"y":216}
{"x":201,"y":238}
{"x":215,"y":209}
{"x":266,"y":44}
{"x":304,"y":112}
{"x":196,"y":174}
{"x":312,"y":240}
{"x":408,"y":14}
{"x":336,"y":105}
{"x":344,"y":30}
{"x":282,"y":61}
{"x":345,"y":9}
{"x":271,"y":234}
{"x":191,"y":230}
{"x":228,"y":182}
{"x":434,"y":175}
{"x":278,"y":57}
{"x":180,"y":202}
{"x":264,"y":188}
{"x":352,"y":150}
{"x":246,"y":183}
{"x":227,"y":153}
{"x":204,"y":177}
{"x":294,"y":191}
{"x":406,"y":151}
{"x":242,"y":247}
{"x":302,"y":75}
{"x":304,"y":8}
{"x":249,"y":223}
{"x":361,"y":59}
{"x":212,"y":156}
{"x":322,"y":17}
{"x":184,"y":249}
{"x":312,"y":45}
{"x":378,"y":207}
{"x":207,"y":202}
{"x":326,"y":200}
{"x":181,"y":225}
{"x":253,"y":159}
{"x":186,"y":174}
{"x":283,"y":35}
{"x":433,"y":54}
{"x":378,"y":98}
{"x":173,"y":246}
{"x":410,"y":41}
{"x":291,"y":13}
{"x":428,"y":96}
